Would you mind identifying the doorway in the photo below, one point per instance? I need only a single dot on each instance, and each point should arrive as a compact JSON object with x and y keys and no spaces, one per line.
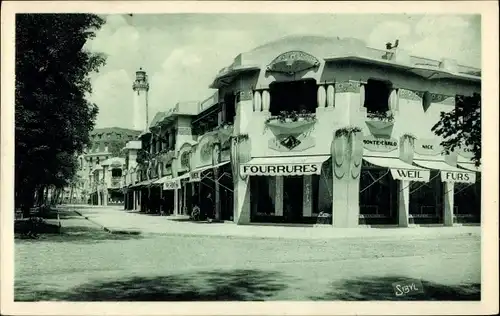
{"x":293,"y":198}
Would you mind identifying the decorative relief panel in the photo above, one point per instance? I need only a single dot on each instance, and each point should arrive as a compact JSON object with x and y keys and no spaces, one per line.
{"x":443,"y":99}
{"x":347,"y":86}
{"x":245,"y":95}
{"x":411,"y":94}
{"x":293,"y":62}
{"x":184,"y":131}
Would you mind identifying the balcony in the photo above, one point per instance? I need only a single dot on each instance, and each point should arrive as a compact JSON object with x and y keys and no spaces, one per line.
{"x":116,"y":182}
{"x":291,"y":122}
{"x":380,"y":123}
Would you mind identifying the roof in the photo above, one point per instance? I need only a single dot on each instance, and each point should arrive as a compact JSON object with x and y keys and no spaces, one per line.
{"x":113,"y":161}
{"x":115,"y":130}
{"x":324,"y":47}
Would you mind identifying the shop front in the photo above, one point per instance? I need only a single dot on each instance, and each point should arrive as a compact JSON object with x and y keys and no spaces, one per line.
{"x":467,"y":196}
{"x":214,"y":180}
{"x":434,"y":202}
{"x":387,"y":181}
{"x":285,"y":189}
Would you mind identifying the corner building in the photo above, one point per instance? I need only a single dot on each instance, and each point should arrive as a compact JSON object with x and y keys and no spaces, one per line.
{"x":328,"y":130}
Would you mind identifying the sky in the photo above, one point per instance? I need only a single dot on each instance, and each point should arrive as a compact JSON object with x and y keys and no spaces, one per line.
{"x":182,"y":53}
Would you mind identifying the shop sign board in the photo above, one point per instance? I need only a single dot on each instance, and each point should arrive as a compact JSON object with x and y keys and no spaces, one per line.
{"x":466,"y":152}
{"x":379,"y":144}
{"x":195,"y":176}
{"x":459,"y":177}
{"x":427,"y":147}
{"x":172,"y":185}
{"x":280,"y":169}
{"x":420,"y":175}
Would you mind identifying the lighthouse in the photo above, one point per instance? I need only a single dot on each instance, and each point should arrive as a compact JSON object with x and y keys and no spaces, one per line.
{"x":141,"y":89}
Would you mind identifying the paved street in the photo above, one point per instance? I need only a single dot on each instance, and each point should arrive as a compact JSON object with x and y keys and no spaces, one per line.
{"x":116,"y":218}
{"x":94,"y":265}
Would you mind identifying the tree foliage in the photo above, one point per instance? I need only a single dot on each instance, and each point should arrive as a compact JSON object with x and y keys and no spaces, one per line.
{"x":53,"y":117}
{"x":462,"y":126}
{"x":115,"y":148}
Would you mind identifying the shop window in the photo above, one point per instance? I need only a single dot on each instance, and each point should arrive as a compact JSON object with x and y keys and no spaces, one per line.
{"x":262,"y":196}
{"x":116,"y":172}
{"x":426,"y":200}
{"x":299,"y":96}
{"x":228,"y":109}
{"x":377,"y":93}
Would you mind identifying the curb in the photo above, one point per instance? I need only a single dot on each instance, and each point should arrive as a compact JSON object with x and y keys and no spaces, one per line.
{"x":110,"y":230}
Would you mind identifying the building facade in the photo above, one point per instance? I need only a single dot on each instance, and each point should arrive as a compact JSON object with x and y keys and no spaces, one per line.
{"x":100,"y":165}
{"x":328,"y":131}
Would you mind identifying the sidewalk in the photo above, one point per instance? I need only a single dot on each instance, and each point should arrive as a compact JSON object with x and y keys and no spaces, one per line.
{"x":115,"y":218}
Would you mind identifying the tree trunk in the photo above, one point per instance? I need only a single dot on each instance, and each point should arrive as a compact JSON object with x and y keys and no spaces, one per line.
{"x":27,"y":201}
{"x":40,"y":196}
{"x":71,"y":194}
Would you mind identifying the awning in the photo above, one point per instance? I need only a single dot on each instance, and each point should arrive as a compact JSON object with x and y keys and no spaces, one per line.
{"x":400,"y":170}
{"x":195,"y":175}
{"x":448,"y":173}
{"x":163,"y":179}
{"x":469,"y":166}
{"x":142,"y":184}
{"x":175,"y":183}
{"x":284,"y":166}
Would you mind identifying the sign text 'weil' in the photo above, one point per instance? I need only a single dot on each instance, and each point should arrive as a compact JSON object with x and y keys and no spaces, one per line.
{"x":420,"y":175}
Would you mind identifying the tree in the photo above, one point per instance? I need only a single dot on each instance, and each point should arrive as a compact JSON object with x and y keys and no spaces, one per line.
{"x":462,"y":126}
{"x":115,"y":148}
{"x":52,"y":114}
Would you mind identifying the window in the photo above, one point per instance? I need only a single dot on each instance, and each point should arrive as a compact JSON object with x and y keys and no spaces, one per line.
{"x":116,"y":173}
{"x":296,"y":96}
{"x":228,"y":108}
{"x":377,"y":94}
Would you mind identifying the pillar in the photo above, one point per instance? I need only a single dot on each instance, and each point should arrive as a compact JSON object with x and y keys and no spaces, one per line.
{"x":307,"y":194}
{"x":347,"y":153}
{"x":139,"y":200}
{"x":241,"y":201}
{"x":217,"y":194}
{"x":241,"y":153}
{"x":105,"y":196}
{"x":176,"y":202}
{"x":403,"y":202}
{"x":449,"y":203}
{"x":161,"y":196}
{"x":278,"y":207}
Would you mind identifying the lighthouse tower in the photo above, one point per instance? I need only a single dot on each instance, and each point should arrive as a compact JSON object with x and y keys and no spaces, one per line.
{"x":141,"y":88}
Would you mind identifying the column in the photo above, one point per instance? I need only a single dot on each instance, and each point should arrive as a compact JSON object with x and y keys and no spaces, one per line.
{"x":161,"y":201}
{"x":217,"y":194}
{"x":449,"y":203}
{"x":184,"y":200}
{"x":139,"y":200}
{"x":176,"y":202}
{"x":134,"y":201}
{"x":241,"y":201}
{"x":307,"y":194}
{"x":403,"y":202}
{"x":278,"y":208}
